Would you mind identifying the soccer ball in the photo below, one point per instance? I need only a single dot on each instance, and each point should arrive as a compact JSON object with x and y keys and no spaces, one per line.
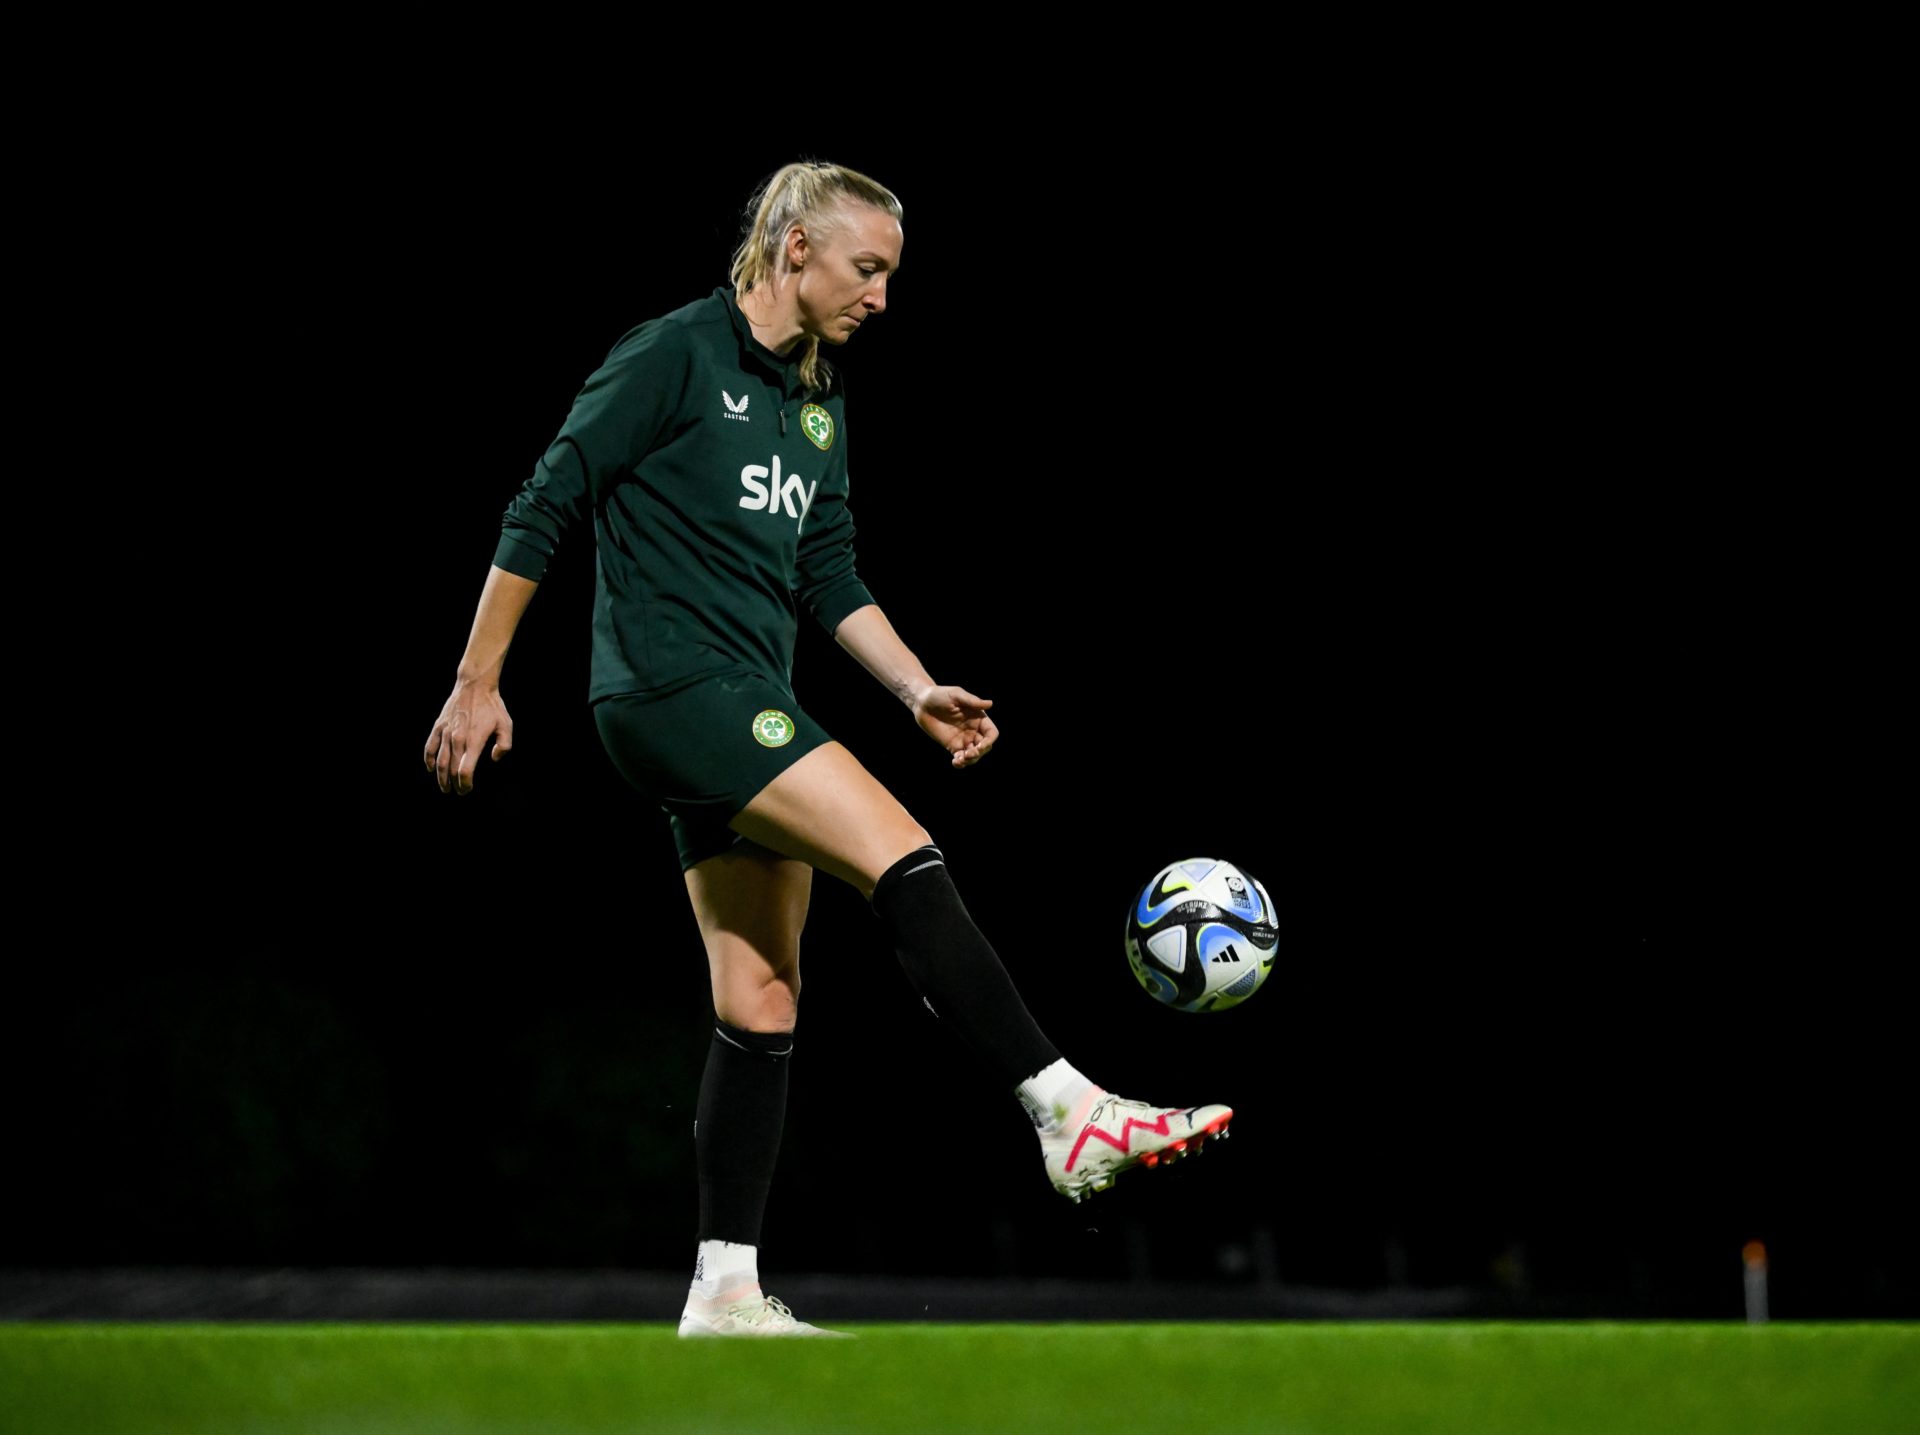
{"x":1201,"y":937}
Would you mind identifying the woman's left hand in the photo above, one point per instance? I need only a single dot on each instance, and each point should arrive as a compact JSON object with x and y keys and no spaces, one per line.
{"x":958,"y":721}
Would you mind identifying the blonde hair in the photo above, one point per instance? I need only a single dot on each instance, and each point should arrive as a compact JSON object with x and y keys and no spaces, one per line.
{"x":810,"y":193}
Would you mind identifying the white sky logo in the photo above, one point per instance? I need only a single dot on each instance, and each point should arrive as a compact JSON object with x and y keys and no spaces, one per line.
{"x":780,"y":493}
{"x":736,"y":411}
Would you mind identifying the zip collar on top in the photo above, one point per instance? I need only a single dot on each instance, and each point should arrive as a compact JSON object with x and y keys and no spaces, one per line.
{"x":786,"y":368}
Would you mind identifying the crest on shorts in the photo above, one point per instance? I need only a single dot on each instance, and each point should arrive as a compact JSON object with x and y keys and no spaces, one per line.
{"x":817,"y":424}
{"x":772,"y":728}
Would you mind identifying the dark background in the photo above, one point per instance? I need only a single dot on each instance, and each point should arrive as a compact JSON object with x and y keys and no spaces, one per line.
{"x":1342,"y":520}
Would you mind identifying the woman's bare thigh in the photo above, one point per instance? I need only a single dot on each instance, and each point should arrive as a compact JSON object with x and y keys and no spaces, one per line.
{"x":751,"y":904}
{"x":830,"y":812}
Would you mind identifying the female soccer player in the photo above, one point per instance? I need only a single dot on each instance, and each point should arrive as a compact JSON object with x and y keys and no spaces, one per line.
{"x":710,"y":451}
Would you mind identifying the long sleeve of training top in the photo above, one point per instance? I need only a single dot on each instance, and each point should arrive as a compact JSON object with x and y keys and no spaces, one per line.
{"x":717,"y":487}
{"x":825,"y":582}
{"x":617,"y":417}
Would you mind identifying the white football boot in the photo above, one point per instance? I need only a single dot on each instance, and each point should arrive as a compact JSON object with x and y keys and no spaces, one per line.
{"x":1105,"y":1135}
{"x":753,"y":1314}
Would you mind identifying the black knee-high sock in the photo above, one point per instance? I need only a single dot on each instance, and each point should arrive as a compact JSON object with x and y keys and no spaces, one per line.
{"x":736,"y":1129}
{"x":954,"y":968}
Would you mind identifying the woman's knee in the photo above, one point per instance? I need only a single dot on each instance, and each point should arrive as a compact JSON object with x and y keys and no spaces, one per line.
{"x":749,"y":997}
{"x":780,"y":1002}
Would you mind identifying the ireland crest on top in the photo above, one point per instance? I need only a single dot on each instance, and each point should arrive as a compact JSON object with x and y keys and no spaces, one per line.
{"x":817,"y":424}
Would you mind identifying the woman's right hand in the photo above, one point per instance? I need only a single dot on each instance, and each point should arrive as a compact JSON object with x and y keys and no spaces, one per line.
{"x":474,"y":713}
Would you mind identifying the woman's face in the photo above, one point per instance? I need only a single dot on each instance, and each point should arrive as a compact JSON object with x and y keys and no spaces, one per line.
{"x":844,"y":281}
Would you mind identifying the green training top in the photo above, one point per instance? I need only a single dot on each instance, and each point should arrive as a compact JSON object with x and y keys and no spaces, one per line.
{"x":718,"y":487}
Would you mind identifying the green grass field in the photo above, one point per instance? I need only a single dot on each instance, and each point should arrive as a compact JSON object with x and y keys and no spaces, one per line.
{"x":1275,"y":1379}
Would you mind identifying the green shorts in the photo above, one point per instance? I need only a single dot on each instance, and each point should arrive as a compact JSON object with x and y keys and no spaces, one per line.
{"x":704,"y":746}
